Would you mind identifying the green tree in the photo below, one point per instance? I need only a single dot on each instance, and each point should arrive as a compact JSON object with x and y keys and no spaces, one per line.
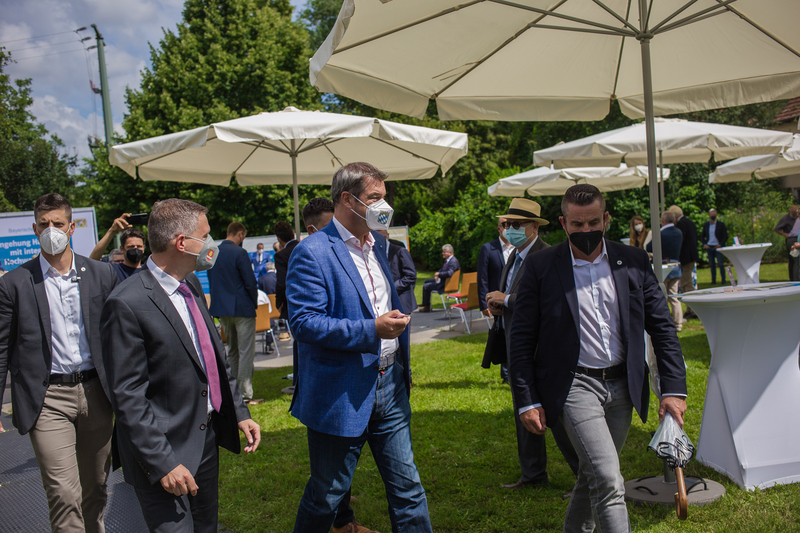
{"x":31,"y":164}
{"x":226,"y":60}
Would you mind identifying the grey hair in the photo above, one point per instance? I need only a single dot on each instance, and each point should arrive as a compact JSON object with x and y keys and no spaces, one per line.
{"x":350,"y":178}
{"x":448,"y":248}
{"x":668,"y":217}
{"x":115,"y":251}
{"x":170,"y":218}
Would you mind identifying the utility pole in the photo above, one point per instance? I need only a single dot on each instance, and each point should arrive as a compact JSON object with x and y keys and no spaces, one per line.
{"x":101,"y":59}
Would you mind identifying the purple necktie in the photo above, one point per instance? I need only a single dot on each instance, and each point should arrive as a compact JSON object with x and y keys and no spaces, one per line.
{"x":209,"y":357}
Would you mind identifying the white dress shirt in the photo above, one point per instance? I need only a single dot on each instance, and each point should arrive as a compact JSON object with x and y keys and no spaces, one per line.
{"x":170,"y":286}
{"x":373,"y":277}
{"x":507,"y":249}
{"x":70,"y":344}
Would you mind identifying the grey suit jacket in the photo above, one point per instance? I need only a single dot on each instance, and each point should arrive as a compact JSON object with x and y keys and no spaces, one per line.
{"x":508,"y":312}
{"x":157,"y":384}
{"x":25,"y":336}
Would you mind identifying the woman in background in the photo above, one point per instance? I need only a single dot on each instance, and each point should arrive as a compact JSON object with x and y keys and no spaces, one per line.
{"x":639,"y":234}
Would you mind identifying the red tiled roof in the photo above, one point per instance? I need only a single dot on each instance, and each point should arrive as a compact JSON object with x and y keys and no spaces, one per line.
{"x":791,"y":111}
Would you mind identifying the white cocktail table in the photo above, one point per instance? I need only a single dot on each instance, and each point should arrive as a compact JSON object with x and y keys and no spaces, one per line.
{"x":746,"y":260}
{"x":750,"y":430}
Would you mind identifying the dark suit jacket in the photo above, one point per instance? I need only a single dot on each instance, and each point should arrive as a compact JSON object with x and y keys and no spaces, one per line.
{"x":545,"y":331}
{"x":490,"y":268}
{"x":332,"y":317}
{"x":405,"y":276}
{"x":508,"y":311}
{"x":689,"y":252}
{"x":281,"y":269}
{"x":721,"y":232}
{"x":157,"y":384}
{"x":26,"y":338}
{"x":671,"y":242}
{"x":233,"y":285}
{"x":267,"y":282}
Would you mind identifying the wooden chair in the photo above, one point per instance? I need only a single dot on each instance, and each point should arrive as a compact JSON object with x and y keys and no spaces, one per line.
{"x":451,"y":285}
{"x":469,"y":305}
{"x":466,"y":279}
{"x":263,"y":322}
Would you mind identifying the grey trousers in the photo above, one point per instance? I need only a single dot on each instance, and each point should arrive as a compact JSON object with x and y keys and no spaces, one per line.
{"x":597,"y":416}
{"x":240,"y":333}
{"x":72,"y":444}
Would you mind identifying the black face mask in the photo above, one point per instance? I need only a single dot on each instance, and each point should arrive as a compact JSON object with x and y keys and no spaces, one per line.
{"x":713,"y":218}
{"x":134,"y":255}
{"x":586,"y":241}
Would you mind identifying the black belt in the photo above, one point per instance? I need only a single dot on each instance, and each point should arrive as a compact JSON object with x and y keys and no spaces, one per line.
{"x":77,"y":377}
{"x":606,"y":374}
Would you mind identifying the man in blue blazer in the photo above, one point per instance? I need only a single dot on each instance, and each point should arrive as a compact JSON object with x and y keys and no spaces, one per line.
{"x":491,"y":261}
{"x":671,"y":244}
{"x":440,"y":278}
{"x":353,"y":357}
{"x":577,"y":352}
{"x":259,"y":260}
{"x":234,"y":299}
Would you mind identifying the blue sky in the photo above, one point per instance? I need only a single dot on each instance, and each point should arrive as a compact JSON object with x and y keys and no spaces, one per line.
{"x":40,"y":35}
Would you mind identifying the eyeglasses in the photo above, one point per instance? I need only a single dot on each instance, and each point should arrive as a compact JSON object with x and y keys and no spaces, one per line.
{"x":515,"y":223}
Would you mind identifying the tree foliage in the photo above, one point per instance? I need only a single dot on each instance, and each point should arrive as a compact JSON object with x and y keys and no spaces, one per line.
{"x":31,"y":164}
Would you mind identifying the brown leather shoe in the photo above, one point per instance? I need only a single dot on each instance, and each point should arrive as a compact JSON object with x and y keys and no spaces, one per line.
{"x":521,"y":483}
{"x":424,"y":309}
{"x":352,"y":527}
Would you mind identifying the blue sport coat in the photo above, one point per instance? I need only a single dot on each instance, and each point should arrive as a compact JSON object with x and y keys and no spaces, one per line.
{"x":490,"y":268}
{"x":331,"y":317}
{"x":233,"y":284}
{"x":260,"y":268}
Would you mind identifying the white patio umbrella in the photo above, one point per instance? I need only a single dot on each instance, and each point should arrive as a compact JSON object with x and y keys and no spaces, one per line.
{"x":760,"y":166}
{"x":562,"y":59}
{"x":545,"y":181}
{"x":290,"y":147}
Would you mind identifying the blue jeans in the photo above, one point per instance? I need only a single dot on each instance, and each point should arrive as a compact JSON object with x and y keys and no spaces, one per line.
{"x":597,"y":416}
{"x":333,"y":461}
{"x":716,"y":258}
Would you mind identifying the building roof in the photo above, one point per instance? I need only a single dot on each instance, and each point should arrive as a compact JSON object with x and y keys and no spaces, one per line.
{"x":790,"y":111}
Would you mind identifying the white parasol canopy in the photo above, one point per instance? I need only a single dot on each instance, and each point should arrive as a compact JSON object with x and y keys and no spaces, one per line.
{"x":762,"y":166}
{"x":290,"y":147}
{"x":544,"y":181}
{"x":562,"y":59}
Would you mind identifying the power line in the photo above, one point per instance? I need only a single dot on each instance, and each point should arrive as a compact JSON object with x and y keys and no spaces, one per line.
{"x":37,"y":37}
{"x":43,"y":46}
{"x":46,"y":55}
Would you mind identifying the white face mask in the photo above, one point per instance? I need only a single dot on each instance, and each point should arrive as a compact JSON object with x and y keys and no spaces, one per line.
{"x":379,"y":214}
{"x":53,"y":241}
{"x":638,"y":228}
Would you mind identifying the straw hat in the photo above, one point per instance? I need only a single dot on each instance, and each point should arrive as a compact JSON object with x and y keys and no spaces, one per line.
{"x":523,"y":209}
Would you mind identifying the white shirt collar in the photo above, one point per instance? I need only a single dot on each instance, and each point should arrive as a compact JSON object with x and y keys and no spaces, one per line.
{"x":167,"y":282}
{"x":524,"y":252}
{"x":346,"y":235}
{"x":583,"y":262}
{"x":47,"y":267}
{"x":667,"y":226}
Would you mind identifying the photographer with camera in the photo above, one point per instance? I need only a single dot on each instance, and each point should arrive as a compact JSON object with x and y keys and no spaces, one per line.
{"x":131,"y":244}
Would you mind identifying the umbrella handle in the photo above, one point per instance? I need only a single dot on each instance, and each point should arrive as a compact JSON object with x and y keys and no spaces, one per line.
{"x":681,"y":500}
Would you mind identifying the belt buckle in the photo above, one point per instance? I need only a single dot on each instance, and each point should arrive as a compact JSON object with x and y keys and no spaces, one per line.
{"x":79,"y":377}
{"x":604,"y":373}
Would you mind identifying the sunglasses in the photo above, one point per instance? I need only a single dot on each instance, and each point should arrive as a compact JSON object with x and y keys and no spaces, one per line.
{"x":515,"y":223}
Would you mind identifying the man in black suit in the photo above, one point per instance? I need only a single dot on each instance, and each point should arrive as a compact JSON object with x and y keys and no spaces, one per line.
{"x":521,"y":225}
{"x":439,"y":278}
{"x":713,"y":236}
{"x":491,"y":260}
{"x":578,"y":353}
{"x":174,"y":397}
{"x":285,"y":234}
{"x":689,"y":254}
{"x":403,"y":271}
{"x":50,"y":342}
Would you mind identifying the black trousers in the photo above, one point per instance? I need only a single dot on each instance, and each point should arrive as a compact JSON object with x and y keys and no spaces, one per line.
{"x":166,"y":513}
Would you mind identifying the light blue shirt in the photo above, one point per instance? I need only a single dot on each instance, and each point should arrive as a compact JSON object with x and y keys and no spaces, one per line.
{"x":712,"y":234}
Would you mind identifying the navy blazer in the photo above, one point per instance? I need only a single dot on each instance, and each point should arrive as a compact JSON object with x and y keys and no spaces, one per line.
{"x":689,"y":253}
{"x":545,"y":329}
{"x":448,"y":268}
{"x":332,"y":318}
{"x":233,"y":284}
{"x":671,"y":243}
{"x":267,"y":282}
{"x":404,"y":274}
{"x":490,"y":269}
{"x":721,"y":232}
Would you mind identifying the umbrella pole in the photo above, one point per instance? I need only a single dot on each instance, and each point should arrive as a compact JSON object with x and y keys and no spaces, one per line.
{"x":661,"y":179}
{"x":295,"y":192}
{"x":655,"y":218}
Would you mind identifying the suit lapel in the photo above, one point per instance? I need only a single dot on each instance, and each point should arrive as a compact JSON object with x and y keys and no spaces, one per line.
{"x":346,"y":260}
{"x":83,"y":290}
{"x":41,"y":303}
{"x":164,"y":304}
{"x":619,"y":269}
{"x":564,"y":269}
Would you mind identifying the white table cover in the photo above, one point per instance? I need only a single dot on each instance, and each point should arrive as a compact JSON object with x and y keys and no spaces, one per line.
{"x":750,"y":430}
{"x":746,"y":260}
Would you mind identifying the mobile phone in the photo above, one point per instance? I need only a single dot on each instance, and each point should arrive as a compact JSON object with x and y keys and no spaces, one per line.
{"x":139,"y":219}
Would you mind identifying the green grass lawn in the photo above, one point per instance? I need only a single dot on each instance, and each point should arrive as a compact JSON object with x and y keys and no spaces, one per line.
{"x":465,"y":447}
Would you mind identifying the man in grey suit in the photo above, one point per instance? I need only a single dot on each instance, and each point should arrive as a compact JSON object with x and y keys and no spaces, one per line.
{"x":521,"y":228}
{"x":172,"y":391}
{"x":50,"y":343}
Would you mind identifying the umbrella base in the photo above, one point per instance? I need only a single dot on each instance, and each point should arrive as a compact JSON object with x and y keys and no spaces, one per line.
{"x":654,"y":489}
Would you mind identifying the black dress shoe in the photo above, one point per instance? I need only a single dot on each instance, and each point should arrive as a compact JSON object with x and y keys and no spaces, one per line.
{"x":522,"y":483}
